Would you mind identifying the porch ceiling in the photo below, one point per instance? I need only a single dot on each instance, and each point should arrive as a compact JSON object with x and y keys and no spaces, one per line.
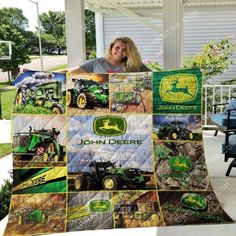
{"x":106,"y":5}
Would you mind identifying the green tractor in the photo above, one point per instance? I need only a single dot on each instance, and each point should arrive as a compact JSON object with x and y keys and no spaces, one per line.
{"x":88,"y":94}
{"x":174,"y":131}
{"x":106,"y":176}
{"x":38,"y":143}
{"x":47,"y":95}
{"x":34,"y":216}
{"x":121,"y":98}
{"x":141,"y":85}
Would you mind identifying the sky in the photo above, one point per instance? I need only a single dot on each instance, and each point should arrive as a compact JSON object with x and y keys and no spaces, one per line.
{"x":30,"y":10}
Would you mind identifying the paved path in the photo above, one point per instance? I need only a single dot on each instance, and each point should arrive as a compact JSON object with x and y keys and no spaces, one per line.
{"x":5,"y":126}
{"x":49,"y":62}
{"x":7,"y":165}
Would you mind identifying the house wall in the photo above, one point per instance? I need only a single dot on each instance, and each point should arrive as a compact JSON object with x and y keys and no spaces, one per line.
{"x":201,"y":24}
{"x":148,"y":42}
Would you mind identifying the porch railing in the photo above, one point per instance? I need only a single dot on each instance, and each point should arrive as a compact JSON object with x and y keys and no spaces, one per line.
{"x":213,"y":94}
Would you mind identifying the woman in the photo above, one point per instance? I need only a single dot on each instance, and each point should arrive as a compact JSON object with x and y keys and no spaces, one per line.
{"x":122,"y":56}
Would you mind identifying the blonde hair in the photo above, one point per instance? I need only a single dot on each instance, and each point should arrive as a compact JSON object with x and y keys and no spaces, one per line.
{"x":134,"y":60}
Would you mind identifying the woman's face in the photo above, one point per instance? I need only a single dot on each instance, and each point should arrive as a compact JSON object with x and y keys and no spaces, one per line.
{"x":119,"y":51}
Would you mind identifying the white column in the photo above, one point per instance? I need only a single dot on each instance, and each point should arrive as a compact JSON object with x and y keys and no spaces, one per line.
{"x":99,"y":34}
{"x":75,"y":32}
{"x":173,"y":34}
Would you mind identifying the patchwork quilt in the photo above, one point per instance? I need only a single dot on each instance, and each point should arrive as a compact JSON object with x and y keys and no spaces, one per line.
{"x":102,"y":151}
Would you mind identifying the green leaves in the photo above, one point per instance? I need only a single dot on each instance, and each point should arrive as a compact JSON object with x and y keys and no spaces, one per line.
{"x":12,"y":28}
{"x":153,"y":65}
{"x":53,"y":27}
{"x":5,"y":196}
{"x":215,"y":58}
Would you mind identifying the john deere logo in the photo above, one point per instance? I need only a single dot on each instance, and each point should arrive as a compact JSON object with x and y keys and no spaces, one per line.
{"x":178,"y":88}
{"x":109,"y":126}
{"x":100,"y":206}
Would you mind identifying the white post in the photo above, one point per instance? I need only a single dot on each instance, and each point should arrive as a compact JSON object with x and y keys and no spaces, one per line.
{"x":173,"y":34}
{"x":39,"y":32}
{"x":75,"y":32}
{"x":99,"y":34}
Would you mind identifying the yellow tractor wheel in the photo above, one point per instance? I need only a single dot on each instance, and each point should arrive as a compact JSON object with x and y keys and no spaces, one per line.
{"x":81,"y":101}
{"x":20,"y":220}
{"x":68,"y":98}
{"x":19,"y":98}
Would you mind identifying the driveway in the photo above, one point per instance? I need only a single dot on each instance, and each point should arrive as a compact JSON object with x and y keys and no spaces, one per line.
{"x":49,"y":62}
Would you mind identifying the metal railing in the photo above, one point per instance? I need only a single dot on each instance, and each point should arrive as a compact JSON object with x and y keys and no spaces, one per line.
{"x":213,"y":94}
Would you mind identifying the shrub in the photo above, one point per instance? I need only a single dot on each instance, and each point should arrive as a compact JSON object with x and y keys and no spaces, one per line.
{"x":215,"y":58}
{"x":153,"y":65}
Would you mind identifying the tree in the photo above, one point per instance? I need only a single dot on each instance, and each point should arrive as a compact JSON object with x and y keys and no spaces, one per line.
{"x":5,"y":196}
{"x":13,"y":17}
{"x":90,"y":34}
{"x":12,"y":28}
{"x":53,"y":23}
{"x":32,"y":41}
{"x":48,"y":42}
{"x":215,"y":58}
{"x":53,"y":27}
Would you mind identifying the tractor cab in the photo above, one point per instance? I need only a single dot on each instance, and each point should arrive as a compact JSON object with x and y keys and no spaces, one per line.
{"x":100,"y":168}
{"x":177,"y":124}
{"x":42,"y":142}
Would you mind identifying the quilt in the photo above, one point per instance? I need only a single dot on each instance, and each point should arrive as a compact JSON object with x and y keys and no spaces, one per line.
{"x":103,"y":151}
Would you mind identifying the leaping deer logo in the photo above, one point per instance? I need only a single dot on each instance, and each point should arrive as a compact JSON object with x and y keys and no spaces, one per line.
{"x":175,"y":89}
{"x":190,"y":199}
{"x":108,"y":126}
{"x":177,"y":163}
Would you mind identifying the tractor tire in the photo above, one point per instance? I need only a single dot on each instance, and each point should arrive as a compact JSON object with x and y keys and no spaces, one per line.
{"x":110,"y":182}
{"x":91,"y":101}
{"x":57,"y":108}
{"x":52,"y":152}
{"x":19,"y":100}
{"x":137,"y":99}
{"x":79,"y":183}
{"x":172,"y":135}
{"x":86,"y":100}
{"x":189,"y":135}
{"x":55,"y":158}
{"x":70,"y":98}
{"x":49,"y":153}
{"x":116,"y":107}
{"x":20,"y":219}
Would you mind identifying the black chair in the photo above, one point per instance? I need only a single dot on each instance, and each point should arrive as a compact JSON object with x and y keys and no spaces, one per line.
{"x":226,"y":123}
{"x":229,"y":150}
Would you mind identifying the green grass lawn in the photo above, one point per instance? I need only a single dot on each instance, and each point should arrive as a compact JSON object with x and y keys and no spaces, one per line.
{"x":4,"y":84}
{"x":5,"y":149}
{"x":8,"y":97}
{"x":34,"y":57}
{"x":62,"y":67}
{"x":30,"y":109}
